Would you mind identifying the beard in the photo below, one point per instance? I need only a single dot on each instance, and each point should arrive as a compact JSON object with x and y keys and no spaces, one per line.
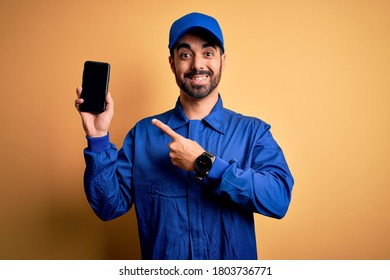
{"x":198,"y":91}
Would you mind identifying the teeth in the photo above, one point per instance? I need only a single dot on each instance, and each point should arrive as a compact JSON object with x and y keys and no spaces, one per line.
{"x":199,"y":78}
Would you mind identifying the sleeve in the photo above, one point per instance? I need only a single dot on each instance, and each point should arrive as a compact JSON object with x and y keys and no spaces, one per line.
{"x":107,"y":185}
{"x":263,"y":188}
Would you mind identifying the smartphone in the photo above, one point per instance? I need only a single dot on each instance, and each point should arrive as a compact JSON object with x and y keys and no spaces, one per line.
{"x":96,"y":76}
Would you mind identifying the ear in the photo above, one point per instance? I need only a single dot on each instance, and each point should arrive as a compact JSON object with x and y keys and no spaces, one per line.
{"x":223,"y":61}
{"x":172,"y":64}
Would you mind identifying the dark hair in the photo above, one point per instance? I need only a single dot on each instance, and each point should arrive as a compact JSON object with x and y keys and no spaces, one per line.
{"x":206,"y":35}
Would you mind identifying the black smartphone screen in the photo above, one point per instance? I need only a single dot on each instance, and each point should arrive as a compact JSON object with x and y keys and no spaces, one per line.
{"x":96,"y":76}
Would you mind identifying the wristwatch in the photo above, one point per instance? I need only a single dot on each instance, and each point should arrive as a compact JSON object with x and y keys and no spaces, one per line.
{"x":203,"y":165}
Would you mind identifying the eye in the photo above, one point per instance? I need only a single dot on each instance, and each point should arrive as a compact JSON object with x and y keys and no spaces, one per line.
{"x":184,"y":55}
{"x":208,"y":54}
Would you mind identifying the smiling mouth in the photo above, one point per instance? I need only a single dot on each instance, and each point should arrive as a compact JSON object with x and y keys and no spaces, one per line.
{"x":198,"y":75}
{"x":198,"y":78}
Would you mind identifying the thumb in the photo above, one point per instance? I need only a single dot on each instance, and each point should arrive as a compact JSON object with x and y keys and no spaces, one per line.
{"x":109,"y":102}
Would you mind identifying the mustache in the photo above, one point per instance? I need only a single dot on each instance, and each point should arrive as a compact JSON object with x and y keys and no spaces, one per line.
{"x":195,"y":72}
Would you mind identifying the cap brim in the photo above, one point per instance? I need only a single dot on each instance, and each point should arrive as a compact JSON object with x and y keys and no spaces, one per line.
{"x":183,"y":32}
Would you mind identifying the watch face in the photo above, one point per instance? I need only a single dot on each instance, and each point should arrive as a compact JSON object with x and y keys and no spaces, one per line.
{"x":203,"y":164}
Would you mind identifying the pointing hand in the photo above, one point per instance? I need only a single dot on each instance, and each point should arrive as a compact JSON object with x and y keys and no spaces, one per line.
{"x":183,"y":151}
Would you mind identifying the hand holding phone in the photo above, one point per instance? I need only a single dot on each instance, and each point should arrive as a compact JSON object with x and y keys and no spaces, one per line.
{"x":96,"y":125}
{"x":96,"y":76}
{"x":96,"y":120}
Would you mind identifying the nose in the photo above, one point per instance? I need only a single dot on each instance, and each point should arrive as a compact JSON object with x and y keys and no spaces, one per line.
{"x":198,"y":62}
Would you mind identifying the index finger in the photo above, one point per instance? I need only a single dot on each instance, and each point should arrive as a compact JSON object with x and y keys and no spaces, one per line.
{"x":166,"y":129}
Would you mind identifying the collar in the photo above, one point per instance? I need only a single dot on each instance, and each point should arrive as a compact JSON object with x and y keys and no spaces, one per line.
{"x":214,"y":119}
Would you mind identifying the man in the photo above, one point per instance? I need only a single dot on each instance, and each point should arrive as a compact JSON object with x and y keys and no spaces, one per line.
{"x":197,"y":173}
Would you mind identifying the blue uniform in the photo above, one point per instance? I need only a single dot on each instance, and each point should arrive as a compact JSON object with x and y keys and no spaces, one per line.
{"x":180,"y":217}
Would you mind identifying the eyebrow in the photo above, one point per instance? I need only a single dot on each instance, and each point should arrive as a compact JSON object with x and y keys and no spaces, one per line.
{"x":183,"y":46}
{"x":188,"y":46}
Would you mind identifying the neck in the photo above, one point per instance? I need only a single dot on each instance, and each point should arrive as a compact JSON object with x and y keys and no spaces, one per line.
{"x":198,"y":109}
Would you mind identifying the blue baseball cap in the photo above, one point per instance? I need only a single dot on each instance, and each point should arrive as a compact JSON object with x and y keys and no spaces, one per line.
{"x":195,"y":21}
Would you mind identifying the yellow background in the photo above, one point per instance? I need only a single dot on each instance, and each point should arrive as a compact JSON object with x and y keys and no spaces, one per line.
{"x":317,"y":71}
